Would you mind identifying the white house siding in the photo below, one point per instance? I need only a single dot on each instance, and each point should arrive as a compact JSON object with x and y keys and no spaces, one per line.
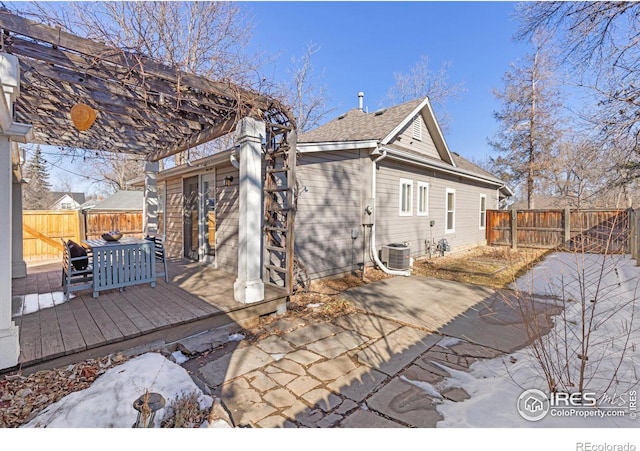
{"x":227,"y":216}
{"x":391,"y":227}
{"x":329,"y":207}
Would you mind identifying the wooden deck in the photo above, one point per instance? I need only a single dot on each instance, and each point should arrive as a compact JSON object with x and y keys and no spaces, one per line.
{"x":197,"y":298}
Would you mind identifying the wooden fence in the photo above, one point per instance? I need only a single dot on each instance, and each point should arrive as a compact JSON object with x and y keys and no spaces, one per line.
{"x":42,"y":229}
{"x":593,"y":231}
{"x":128,"y":223}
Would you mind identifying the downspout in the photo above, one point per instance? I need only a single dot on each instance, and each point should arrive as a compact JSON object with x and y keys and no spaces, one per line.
{"x":372,"y":250}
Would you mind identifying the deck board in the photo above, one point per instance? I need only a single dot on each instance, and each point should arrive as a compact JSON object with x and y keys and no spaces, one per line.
{"x":30,"y":337}
{"x":175,"y":311}
{"x":107,"y":327}
{"x":119,"y":318}
{"x":52,"y":343}
{"x":158,"y":318}
{"x":135,"y":315}
{"x":89,"y":329}
{"x":195,"y":305}
{"x":196,"y":299}
{"x":71,"y":335}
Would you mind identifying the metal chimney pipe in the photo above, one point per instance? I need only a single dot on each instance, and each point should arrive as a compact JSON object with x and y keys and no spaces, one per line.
{"x":360,"y":100}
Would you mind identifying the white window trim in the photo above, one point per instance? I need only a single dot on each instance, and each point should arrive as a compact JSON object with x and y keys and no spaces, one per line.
{"x":446,"y":210}
{"x":420,"y":186}
{"x":484,"y":225}
{"x":410,"y":212}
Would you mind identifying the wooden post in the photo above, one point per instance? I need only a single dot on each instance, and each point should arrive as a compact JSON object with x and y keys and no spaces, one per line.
{"x":514,"y":229}
{"x":80,"y":230}
{"x":567,"y":227}
{"x":249,"y":286}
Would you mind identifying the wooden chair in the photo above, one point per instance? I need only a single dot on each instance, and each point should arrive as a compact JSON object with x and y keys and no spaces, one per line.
{"x":160,"y":256}
{"x":74,"y":279}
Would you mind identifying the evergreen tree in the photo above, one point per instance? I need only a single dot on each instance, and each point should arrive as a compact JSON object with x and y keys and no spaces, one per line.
{"x":37,"y":191}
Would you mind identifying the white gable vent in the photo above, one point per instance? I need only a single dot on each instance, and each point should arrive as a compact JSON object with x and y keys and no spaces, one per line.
{"x":396,"y":256}
{"x":417,"y":128}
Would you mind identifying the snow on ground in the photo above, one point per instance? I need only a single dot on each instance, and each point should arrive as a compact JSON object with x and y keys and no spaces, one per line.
{"x":612,"y":371}
{"x":30,"y":303}
{"x":108,"y":402}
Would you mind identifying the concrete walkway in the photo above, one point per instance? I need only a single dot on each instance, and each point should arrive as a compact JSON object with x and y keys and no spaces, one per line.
{"x":378,"y":367}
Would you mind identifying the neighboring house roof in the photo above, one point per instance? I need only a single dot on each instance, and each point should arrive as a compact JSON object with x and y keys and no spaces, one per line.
{"x":121,"y":201}
{"x":89,"y":204}
{"x":78,"y":198}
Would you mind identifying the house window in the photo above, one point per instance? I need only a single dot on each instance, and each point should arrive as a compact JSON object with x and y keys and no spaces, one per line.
{"x":417,"y":128}
{"x":423,"y":199}
{"x":483,"y":211}
{"x":406,"y":197}
{"x":451,"y":210}
{"x":66,"y":206}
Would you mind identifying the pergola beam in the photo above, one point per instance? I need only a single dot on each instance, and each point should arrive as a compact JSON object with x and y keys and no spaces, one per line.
{"x":140,"y":102}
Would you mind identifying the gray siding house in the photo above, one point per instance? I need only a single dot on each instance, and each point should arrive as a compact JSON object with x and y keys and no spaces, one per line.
{"x":372,"y":179}
{"x":416,"y":180}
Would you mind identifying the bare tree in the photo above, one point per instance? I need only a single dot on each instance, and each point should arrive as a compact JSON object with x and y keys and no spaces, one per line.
{"x":528,"y":122}
{"x":204,"y":38}
{"x":422,"y":81}
{"x":600,"y":42}
{"x":305,"y":92}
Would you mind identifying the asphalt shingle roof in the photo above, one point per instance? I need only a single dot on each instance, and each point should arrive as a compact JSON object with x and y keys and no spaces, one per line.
{"x":122,"y":200}
{"x":357,"y":125}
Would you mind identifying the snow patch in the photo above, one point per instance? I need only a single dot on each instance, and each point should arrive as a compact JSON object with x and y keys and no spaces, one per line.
{"x":236,"y":337}
{"x":447,"y":342}
{"x":426,"y":386}
{"x":108,"y":402}
{"x":179,"y":357}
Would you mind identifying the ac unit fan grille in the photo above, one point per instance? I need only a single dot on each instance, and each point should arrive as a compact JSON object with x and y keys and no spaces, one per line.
{"x":396,"y":256}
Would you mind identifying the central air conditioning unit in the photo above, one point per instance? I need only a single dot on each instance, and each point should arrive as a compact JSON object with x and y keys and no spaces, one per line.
{"x":396,"y":256}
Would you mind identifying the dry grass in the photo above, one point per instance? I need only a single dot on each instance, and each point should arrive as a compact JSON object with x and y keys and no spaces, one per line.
{"x":184,"y":412}
{"x":23,"y":397}
{"x":323,"y":300}
{"x":495,"y":267}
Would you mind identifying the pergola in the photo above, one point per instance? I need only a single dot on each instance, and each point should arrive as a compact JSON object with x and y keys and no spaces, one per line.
{"x":142,"y":106}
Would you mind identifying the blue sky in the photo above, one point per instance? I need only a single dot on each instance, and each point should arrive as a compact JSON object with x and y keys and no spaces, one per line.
{"x":363,"y":43}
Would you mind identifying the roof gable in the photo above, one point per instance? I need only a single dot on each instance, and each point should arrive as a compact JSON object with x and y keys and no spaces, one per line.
{"x":382,"y":126}
{"x":58,"y":196}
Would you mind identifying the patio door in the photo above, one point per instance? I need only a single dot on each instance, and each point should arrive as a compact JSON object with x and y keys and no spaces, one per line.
{"x":208,"y":218}
{"x":190,"y":217}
